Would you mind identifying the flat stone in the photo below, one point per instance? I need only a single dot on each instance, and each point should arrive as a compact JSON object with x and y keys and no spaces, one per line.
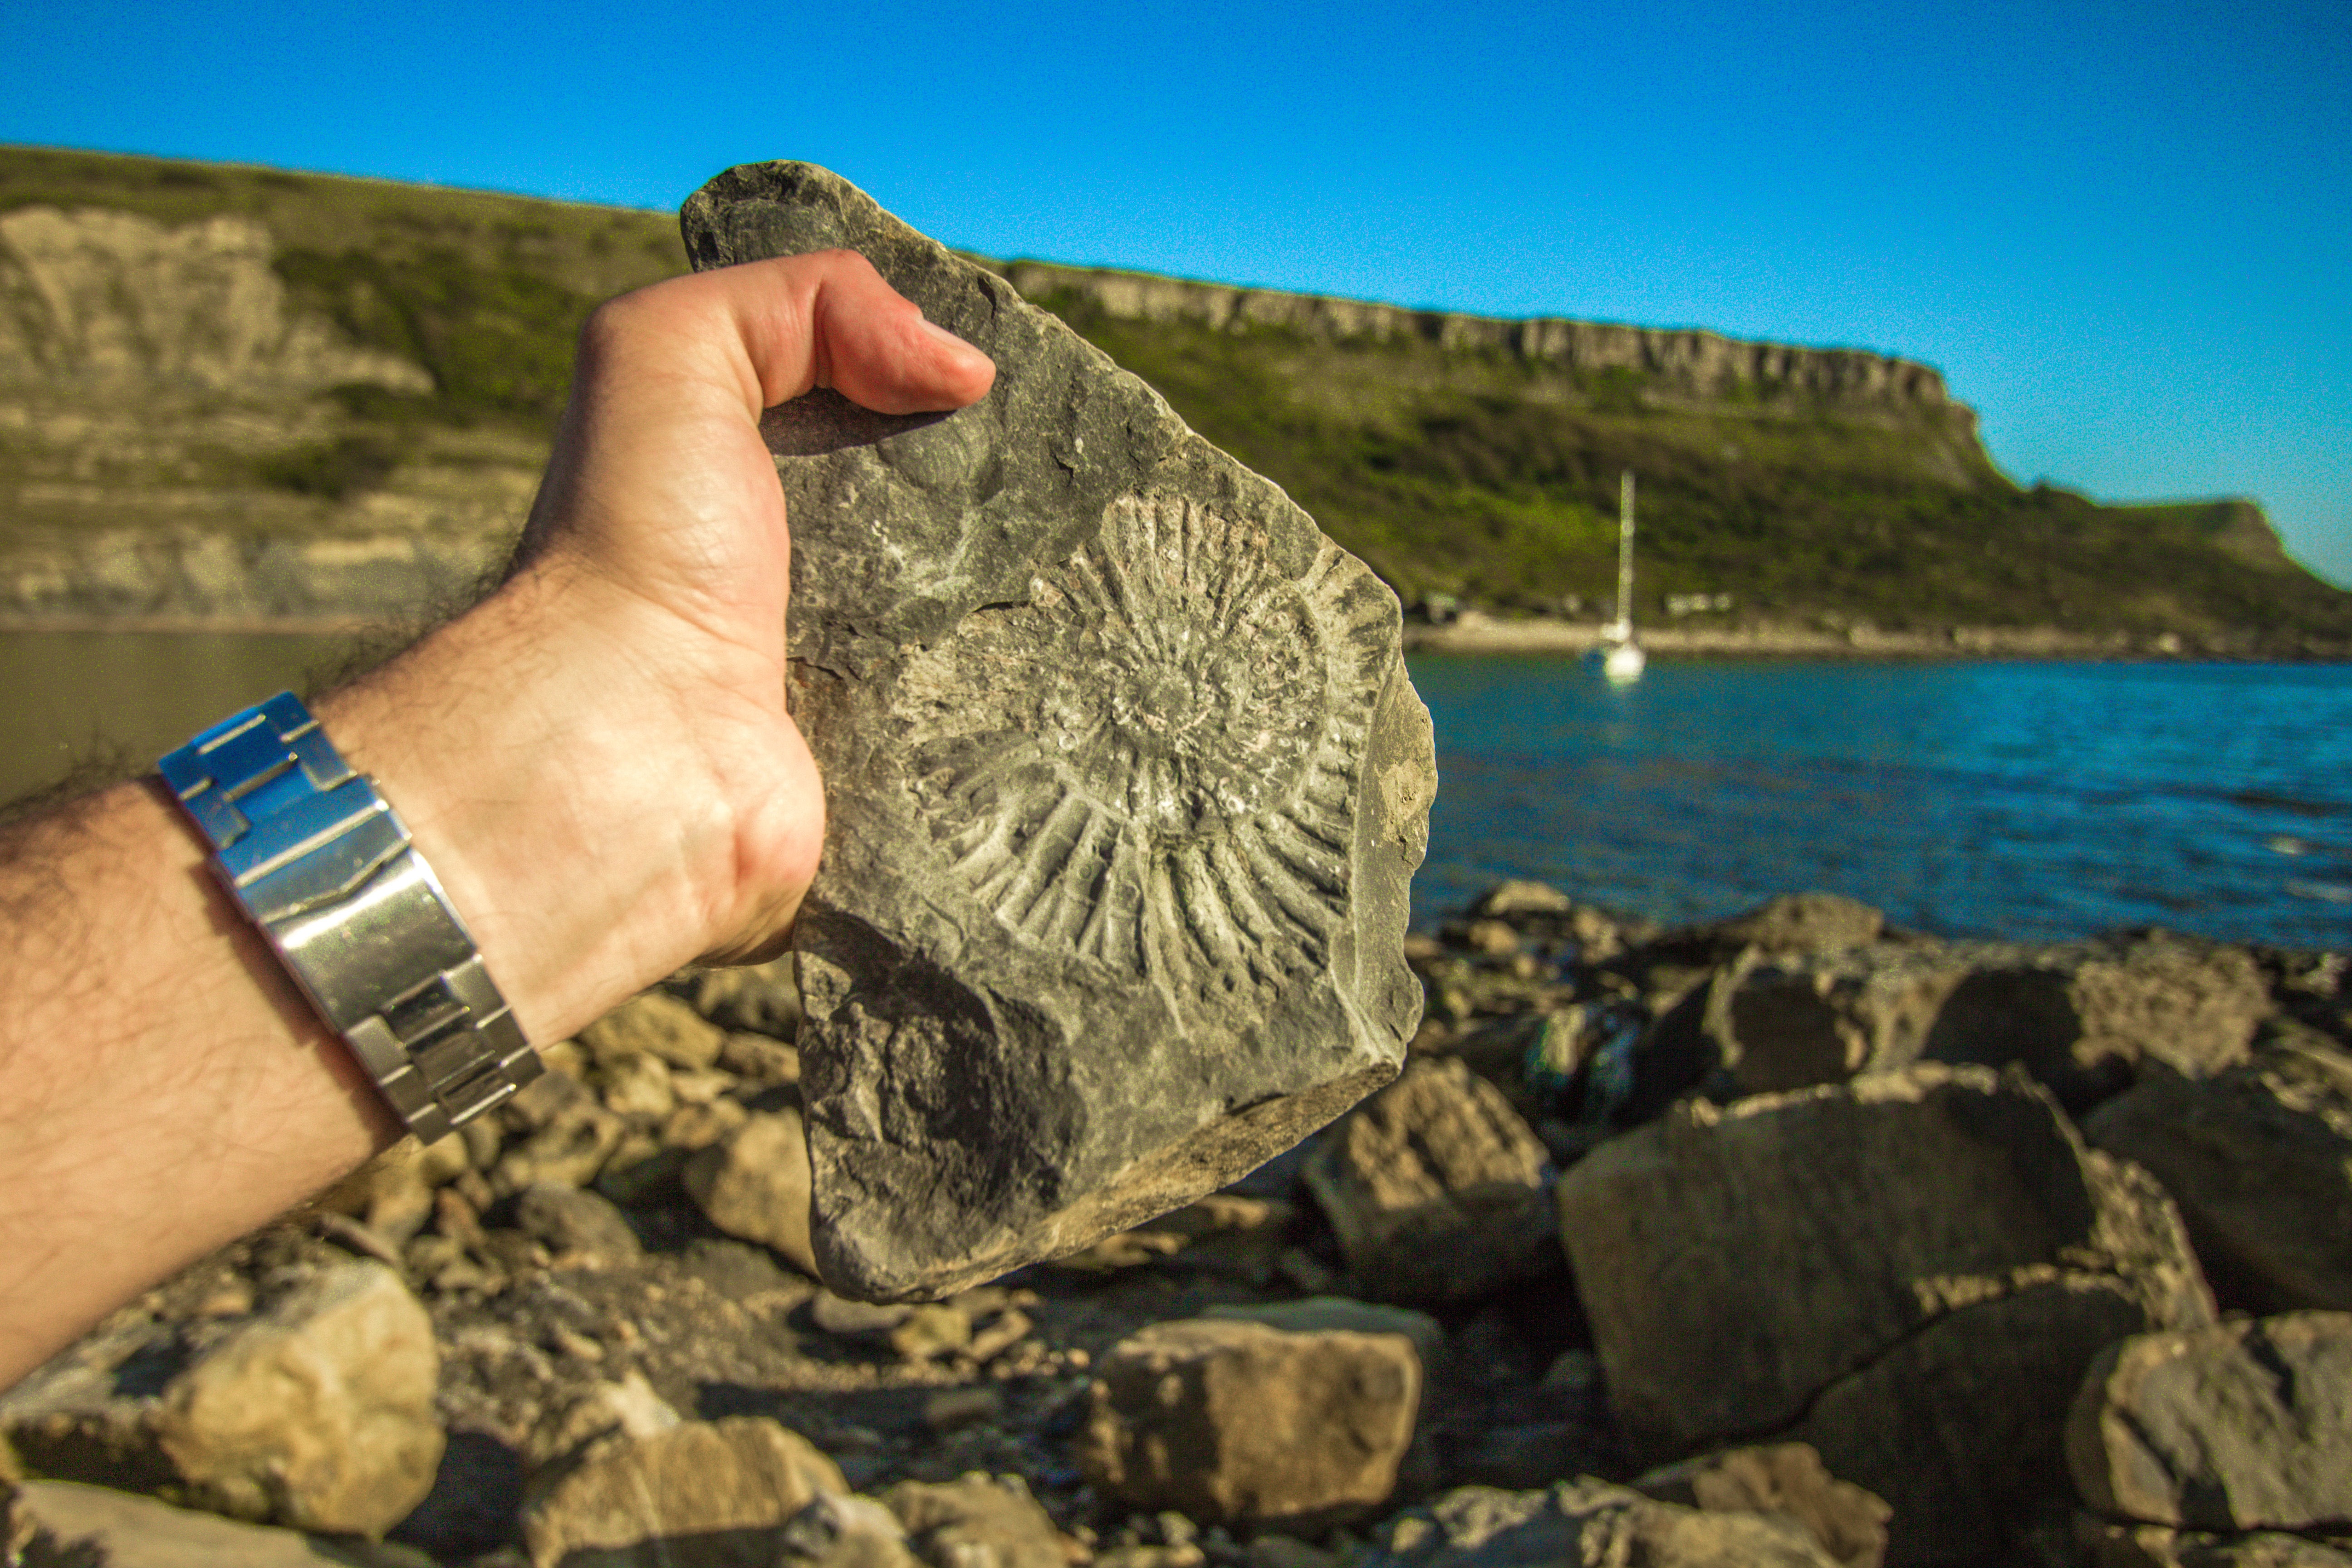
{"x":1318,"y":1314}
{"x":2239,"y":1427}
{"x":96,"y":1527}
{"x":1436,"y":1188}
{"x":1126,"y":782}
{"x":754,"y":1184}
{"x":698,"y":1495}
{"x":2083,"y":1018}
{"x":2260,"y":1160}
{"x":1586,"y":1524}
{"x":317,"y":1413}
{"x":657,"y":1025}
{"x":2113,"y":1543}
{"x":576,"y":1225}
{"x":1235,"y":1423}
{"x":1848,"y":1521}
{"x":1736,"y":1261}
{"x":977,"y":1523}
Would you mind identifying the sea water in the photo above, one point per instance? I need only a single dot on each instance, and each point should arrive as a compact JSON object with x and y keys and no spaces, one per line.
{"x":2023,"y":800}
{"x":2033,"y":801}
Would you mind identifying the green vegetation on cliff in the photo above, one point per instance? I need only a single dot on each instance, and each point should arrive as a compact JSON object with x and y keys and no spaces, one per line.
{"x":1453,"y":464}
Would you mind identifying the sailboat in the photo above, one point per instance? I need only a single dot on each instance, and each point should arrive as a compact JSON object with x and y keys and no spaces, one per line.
{"x":1620,"y":657}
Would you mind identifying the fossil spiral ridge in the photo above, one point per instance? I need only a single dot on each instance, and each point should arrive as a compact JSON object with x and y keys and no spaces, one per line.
{"x":1147,"y":764}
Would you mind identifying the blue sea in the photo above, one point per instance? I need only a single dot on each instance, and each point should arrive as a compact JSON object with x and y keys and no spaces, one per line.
{"x":2033,"y":801}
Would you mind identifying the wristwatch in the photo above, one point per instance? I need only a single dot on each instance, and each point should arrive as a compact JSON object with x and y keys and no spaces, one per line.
{"x":323,"y":865}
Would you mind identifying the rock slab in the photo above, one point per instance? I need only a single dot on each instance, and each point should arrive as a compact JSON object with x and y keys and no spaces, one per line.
{"x":2260,"y":1160}
{"x":317,"y":1412}
{"x":1235,"y":1422}
{"x":1588,"y":1524}
{"x":1436,"y":1188}
{"x":712,"y":1494}
{"x":1126,"y":784}
{"x":1909,"y":1272}
{"x":2244,"y":1426}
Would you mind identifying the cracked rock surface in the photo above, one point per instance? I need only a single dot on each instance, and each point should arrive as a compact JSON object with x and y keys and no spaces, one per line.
{"x":1125,"y":779}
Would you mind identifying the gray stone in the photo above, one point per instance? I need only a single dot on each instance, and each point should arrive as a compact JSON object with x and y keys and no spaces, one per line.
{"x":1235,"y":1422}
{"x":1587,"y":1524}
{"x":977,"y":1523}
{"x":1126,"y":782}
{"x":2239,"y":1427}
{"x":838,"y":1531}
{"x":1961,"y":1426}
{"x":2113,"y":1543}
{"x":754,"y":1184}
{"x":96,"y":1527}
{"x":317,"y":1412}
{"x":697,"y":1495}
{"x":2083,"y":1017}
{"x":1318,"y":1314}
{"x":1909,"y":1272}
{"x":2260,"y":1160}
{"x":657,"y":1025}
{"x":576,"y":1225}
{"x":1436,"y":1188}
{"x":1847,"y":1522}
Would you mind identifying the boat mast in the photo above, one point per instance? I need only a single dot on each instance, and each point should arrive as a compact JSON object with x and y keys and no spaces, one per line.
{"x":1624,"y":627}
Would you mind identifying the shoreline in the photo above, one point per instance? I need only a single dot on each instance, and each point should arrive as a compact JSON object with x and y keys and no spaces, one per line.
{"x":1470,"y":635}
{"x":1535,"y":637}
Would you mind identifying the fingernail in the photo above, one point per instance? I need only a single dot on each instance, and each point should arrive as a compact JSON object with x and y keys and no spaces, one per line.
{"x":947,"y":337}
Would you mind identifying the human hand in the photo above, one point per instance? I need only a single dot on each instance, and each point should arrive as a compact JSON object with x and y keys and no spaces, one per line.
{"x":597,"y":761}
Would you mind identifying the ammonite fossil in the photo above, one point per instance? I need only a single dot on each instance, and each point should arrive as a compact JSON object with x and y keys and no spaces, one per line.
{"x":1125,"y":783}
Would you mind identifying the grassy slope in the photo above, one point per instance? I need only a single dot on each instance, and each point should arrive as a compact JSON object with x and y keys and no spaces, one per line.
{"x":1464,"y":473}
{"x":1499,"y":481}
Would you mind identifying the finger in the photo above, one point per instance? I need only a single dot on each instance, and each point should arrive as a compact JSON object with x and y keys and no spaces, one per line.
{"x":830,"y":319}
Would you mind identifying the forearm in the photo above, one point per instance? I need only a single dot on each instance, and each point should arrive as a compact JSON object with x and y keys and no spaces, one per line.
{"x":167,"y":1087}
{"x":596,"y":763}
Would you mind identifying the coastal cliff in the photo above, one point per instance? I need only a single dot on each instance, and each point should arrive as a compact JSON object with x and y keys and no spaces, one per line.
{"x":238,"y":396}
{"x":1699,"y":364}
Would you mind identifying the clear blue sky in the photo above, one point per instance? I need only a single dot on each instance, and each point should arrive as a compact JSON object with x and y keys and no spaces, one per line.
{"x":2123,"y":231}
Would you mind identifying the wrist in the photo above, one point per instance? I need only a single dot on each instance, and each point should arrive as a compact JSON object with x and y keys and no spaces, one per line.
{"x":595,"y":826}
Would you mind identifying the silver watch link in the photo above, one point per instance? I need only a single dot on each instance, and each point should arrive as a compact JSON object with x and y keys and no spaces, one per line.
{"x":323,"y":865}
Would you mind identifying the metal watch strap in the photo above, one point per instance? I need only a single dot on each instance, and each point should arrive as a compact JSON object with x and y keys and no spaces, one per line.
{"x":323,"y":865}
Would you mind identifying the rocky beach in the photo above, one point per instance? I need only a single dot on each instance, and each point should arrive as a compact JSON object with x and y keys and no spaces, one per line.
{"x":1787,"y":1238}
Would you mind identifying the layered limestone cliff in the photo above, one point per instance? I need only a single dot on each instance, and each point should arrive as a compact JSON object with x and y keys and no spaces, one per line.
{"x":171,"y":454}
{"x":111,"y":301}
{"x":238,"y":396}
{"x":1697,"y":364}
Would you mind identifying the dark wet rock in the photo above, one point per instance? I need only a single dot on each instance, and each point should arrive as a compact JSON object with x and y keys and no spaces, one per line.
{"x":698,"y":1495}
{"x":1435,"y":1186}
{"x":2260,"y":1160}
{"x":1909,"y":1272}
{"x":754,"y":1184}
{"x":1126,"y":780}
{"x":1586,"y":1524}
{"x":1238,"y":1424}
{"x":2239,"y":1427}
{"x":576,"y":1225}
{"x":1847,"y":1523}
{"x":317,"y":1412}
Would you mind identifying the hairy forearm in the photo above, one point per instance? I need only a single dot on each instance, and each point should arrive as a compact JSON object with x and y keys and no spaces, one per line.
{"x":596,"y":763}
{"x":166,"y":1087}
